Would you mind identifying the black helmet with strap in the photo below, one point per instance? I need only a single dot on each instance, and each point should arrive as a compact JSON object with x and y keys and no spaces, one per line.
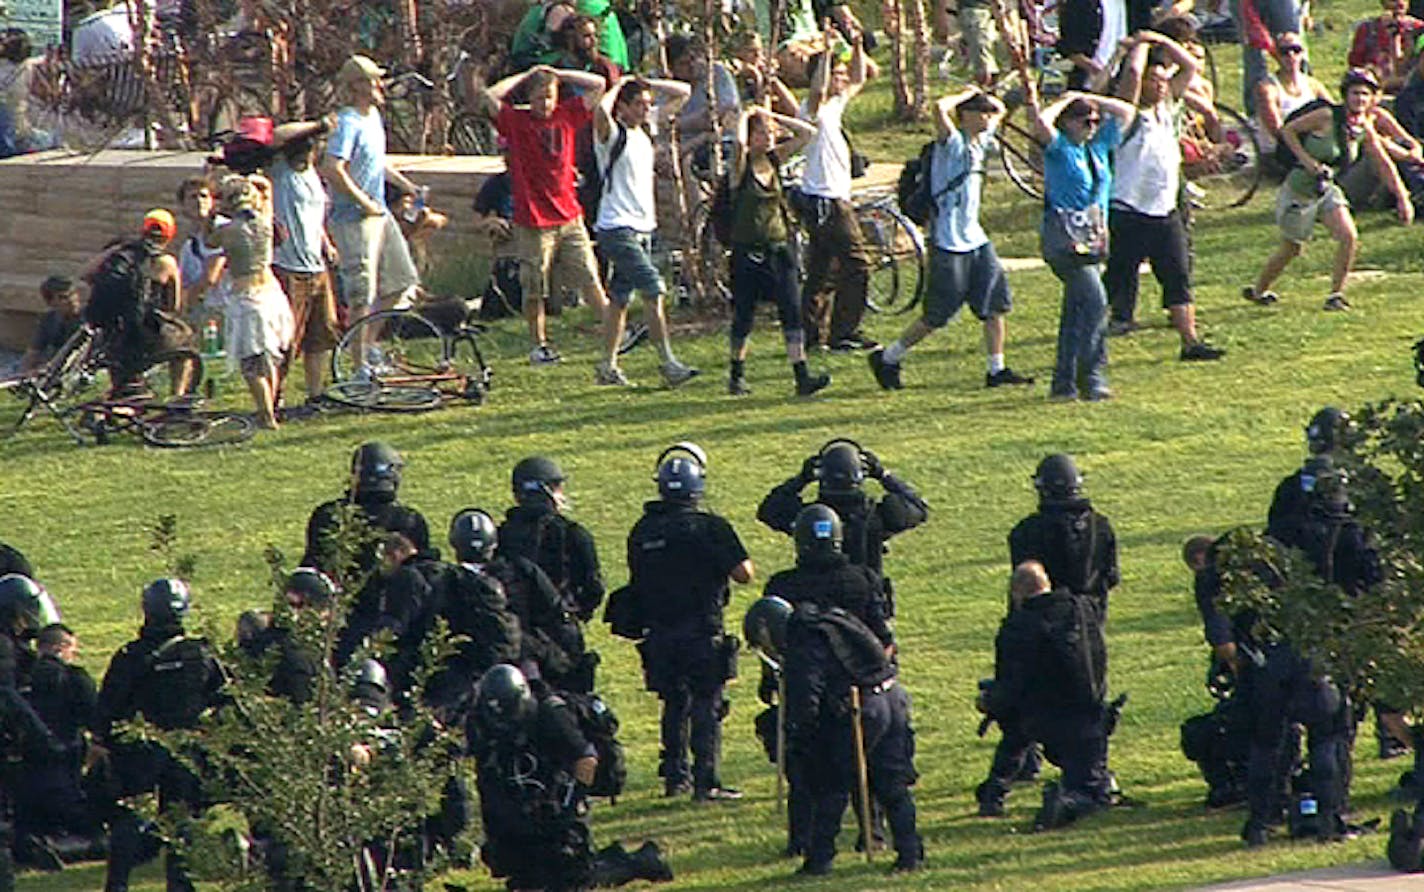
{"x":503,"y":698}
{"x":764,"y":625}
{"x":817,"y":531}
{"x":682,"y":472}
{"x":840,"y":466}
{"x":535,"y":477}
{"x":166,"y":602}
{"x":473,"y":535}
{"x":376,"y":469}
{"x":1057,"y":478}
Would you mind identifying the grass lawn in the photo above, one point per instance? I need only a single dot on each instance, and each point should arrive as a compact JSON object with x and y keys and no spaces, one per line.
{"x":1183,"y":449}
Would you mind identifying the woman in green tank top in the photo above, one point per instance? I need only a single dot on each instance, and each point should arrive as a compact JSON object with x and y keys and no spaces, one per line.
{"x":1324,"y":142}
{"x":763,"y":267}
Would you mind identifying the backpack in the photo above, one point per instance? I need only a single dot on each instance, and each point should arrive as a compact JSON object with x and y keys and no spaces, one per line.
{"x":599,"y":724}
{"x":121,"y":289}
{"x":177,"y":682}
{"x":1079,"y":648}
{"x":475,"y":605}
{"x":592,"y":179}
{"x":527,"y":540}
{"x":1285,"y":159}
{"x":912,"y":190}
{"x":720,"y":211}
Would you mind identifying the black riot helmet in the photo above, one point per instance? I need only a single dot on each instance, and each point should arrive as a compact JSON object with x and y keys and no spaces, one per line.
{"x":21,"y":605}
{"x":682,"y":472}
{"x":372,"y":687}
{"x":1057,"y":478}
{"x":376,"y":469}
{"x":309,"y":587}
{"x":1326,"y":430}
{"x":1330,"y":494}
{"x":817,"y":531}
{"x":503,"y":698}
{"x":535,"y":477}
{"x":473,"y":535}
{"x":166,"y":601}
{"x":764,"y":626}
{"x":840,"y":467}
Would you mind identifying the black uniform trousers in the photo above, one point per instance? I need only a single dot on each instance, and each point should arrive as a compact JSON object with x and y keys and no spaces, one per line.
{"x":145,"y":767}
{"x":686,"y":671}
{"x":1014,"y":753}
{"x":828,"y":772}
{"x":1283,"y":693}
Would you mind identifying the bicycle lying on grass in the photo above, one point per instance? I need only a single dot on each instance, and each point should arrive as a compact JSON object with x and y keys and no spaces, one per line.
{"x":176,"y":422}
{"x":410,"y":364}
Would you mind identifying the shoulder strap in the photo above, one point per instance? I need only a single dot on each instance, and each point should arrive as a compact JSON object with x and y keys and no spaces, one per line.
{"x":620,"y":142}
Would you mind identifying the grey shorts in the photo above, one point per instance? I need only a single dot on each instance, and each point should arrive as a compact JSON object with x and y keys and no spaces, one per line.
{"x":973,"y":277}
{"x":1296,"y":215}
{"x":629,"y":254}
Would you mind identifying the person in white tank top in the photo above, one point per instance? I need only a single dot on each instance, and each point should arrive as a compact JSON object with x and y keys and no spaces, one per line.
{"x":1289,"y":89}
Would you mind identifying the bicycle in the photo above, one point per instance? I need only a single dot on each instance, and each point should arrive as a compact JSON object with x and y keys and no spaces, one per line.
{"x":411,"y":364}
{"x":177,"y":423}
{"x":1221,"y":161}
{"x":897,"y":253}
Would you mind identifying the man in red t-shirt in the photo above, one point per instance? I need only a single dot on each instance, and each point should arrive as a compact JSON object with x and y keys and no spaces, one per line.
{"x":548,"y":220}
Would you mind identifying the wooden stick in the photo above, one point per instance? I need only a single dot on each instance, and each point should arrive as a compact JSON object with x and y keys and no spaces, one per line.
{"x":780,"y":742}
{"x":862,"y":780}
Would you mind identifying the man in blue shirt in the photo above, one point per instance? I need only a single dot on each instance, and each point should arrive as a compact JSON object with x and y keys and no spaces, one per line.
{"x":376,"y":266}
{"x":963,"y":266}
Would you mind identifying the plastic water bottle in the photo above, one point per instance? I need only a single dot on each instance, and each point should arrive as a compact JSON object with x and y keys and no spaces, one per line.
{"x":212,"y":342}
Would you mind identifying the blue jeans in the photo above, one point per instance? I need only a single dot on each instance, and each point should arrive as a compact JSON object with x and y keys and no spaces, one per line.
{"x":1082,"y":329}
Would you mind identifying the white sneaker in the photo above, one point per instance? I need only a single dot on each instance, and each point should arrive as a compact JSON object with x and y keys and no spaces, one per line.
{"x":675,"y":373}
{"x":611,"y":376}
{"x":544,"y":355}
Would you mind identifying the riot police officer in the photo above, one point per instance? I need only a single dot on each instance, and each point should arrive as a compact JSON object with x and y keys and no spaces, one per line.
{"x":551,"y":645}
{"x":375,"y":482}
{"x":170,"y":679}
{"x":680,"y":558}
{"x":1290,"y":504}
{"x":826,"y":575}
{"x":531,"y":763}
{"x":298,"y":666}
{"x":12,"y":561}
{"x":840,"y":469}
{"x":826,"y":652}
{"x":1050,"y":682}
{"x":1074,"y":543}
{"x":537,"y":529}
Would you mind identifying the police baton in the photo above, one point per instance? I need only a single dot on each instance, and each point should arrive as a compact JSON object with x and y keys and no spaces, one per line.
{"x":780,"y":729}
{"x":862,"y":782}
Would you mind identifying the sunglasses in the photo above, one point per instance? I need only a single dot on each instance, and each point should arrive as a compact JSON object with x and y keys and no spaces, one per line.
{"x":1091,"y":120}
{"x":1291,"y":50}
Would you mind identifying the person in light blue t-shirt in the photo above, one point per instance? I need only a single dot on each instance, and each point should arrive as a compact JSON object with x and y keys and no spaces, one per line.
{"x":1078,"y":133}
{"x":963,"y":267}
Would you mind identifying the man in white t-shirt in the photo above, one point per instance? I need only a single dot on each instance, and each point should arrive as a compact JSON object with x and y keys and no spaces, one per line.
{"x":1144,"y":221}
{"x":627,"y":217}
{"x":835,"y":236}
{"x":963,"y":267}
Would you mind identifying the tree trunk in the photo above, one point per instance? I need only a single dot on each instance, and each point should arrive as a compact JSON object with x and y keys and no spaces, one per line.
{"x":919,"y":58}
{"x":894,"y":28}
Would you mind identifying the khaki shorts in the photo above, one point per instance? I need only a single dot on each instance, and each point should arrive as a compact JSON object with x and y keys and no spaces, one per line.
{"x":981,"y":36}
{"x":567,"y":247}
{"x":313,"y":309}
{"x":375,"y":261}
{"x":1296,"y":215}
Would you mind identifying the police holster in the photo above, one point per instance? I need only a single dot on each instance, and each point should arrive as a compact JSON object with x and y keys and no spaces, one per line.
{"x":728,"y":646}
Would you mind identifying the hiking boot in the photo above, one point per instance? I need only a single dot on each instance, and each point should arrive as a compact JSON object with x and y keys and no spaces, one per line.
{"x":1265,"y":298}
{"x":716,"y":794}
{"x":991,"y":805}
{"x":737,"y":386}
{"x":1102,"y":394}
{"x":1336,"y":303}
{"x":887,"y":374}
{"x":635,"y":334}
{"x":675,"y":788}
{"x":812,"y":384}
{"x":1006,"y":376}
{"x":1054,"y":812}
{"x":811,"y":868}
{"x":1120,"y":327}
{"x":1255,"y":835}
{"x":544,"y":355}
{"x":1062,"y":396}
{"x":1389,"y":748}
{"x":610,"y":376}
{"x":675,"y":374}
{"x":649,"y":864}
{"x":907,"y":864}
{"x":1201,"y":351}
{"x":852,"y":342}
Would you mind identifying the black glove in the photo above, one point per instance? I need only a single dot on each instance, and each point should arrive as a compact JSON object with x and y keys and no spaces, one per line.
{"x":809,"y":468}
{"x":873,"y":467}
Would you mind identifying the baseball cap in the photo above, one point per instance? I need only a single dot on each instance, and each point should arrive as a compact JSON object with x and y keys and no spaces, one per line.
{"x":359,"y":67}
{"x":160,"y":222}
{"x":55,"y":285}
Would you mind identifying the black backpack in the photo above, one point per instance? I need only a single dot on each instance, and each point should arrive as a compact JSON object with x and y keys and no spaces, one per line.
{"x":1079,"y":648}
{"x":720,"y":211}
{"x":178,"y":682}
{"x":599,"y":724}
{"x":1285,"y":159}
{"x":526,"y":539}
{"x":912,"y":190}
{"x":592,"y":179}
{"x":120,"y":290}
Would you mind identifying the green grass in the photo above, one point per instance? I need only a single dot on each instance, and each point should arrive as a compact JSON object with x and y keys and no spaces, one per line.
{"x":1182,"y":449}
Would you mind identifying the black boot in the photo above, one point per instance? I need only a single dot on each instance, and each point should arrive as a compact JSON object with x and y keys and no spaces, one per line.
{"x":807,"y":383}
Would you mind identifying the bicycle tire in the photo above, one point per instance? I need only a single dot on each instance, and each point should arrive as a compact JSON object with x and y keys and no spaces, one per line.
{"x":1209,"y":68}
{"x":373,"y":397}
{"x":472,"y":134}
{"x":464,"y":357}
{"x":1022,"y":157}
{"x":401,"y":342}
{"x":1234,"y":174}
{"x":190,"y":430}
{"x":896,"y":254}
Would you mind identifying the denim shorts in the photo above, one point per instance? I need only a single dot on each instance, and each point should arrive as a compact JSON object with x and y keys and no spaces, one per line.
{"x":973,"y":277}
{"x":629,"y":254}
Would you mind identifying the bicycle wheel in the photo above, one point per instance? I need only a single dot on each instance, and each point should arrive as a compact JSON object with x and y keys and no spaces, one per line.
{"x":218,"y":108}
{"x":375,"y":397}
{"x":1222,"y":166}
{"x":1021,"y":155}
{"x":399,"y":345}
{"x":472,"y":134}
{"x":187,"y":430}
{"x":466,"y":359}
{"x":896,"y":254}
